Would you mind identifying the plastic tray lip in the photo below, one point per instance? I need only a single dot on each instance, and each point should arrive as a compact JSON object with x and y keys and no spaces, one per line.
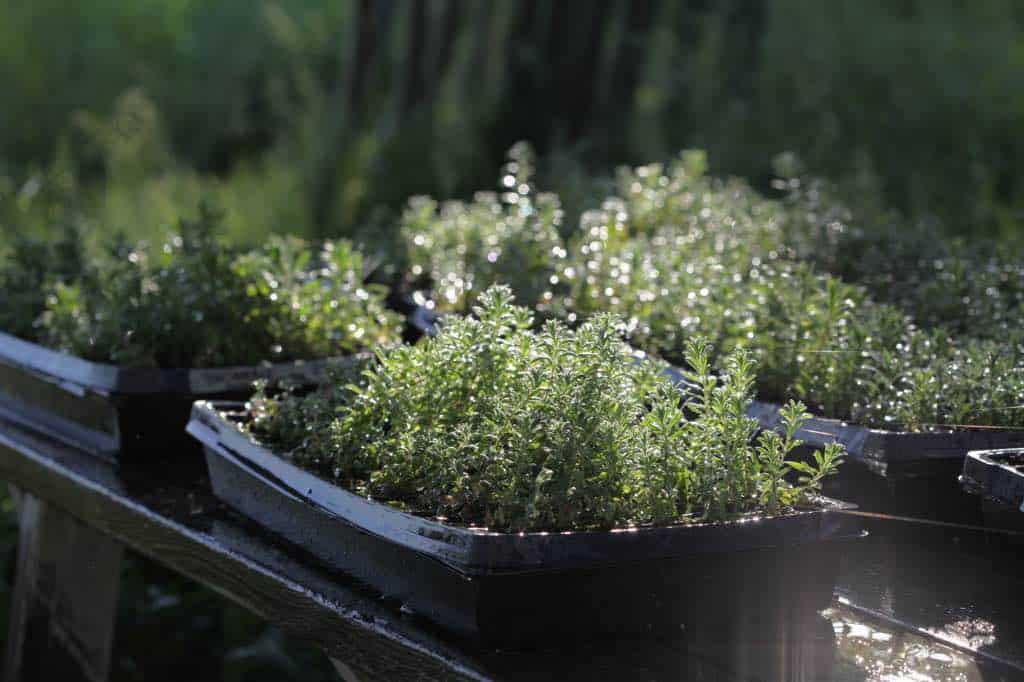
{"x":424,"y":320}
{"x":66,"y":431}
{"x":870,"y":444}
{"x":991,"y":456}
{"x":873,"y":446}
{"x":984,"y":474}
{"x":78,"y":376}
{"x":477,"y":551}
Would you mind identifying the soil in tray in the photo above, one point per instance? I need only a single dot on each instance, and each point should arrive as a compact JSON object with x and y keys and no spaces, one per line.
{"x":1013,"y":459}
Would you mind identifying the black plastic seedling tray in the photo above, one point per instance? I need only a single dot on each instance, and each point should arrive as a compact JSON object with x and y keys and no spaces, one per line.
{"x":997,"y":476}
{"x":420,"y":320}
{"x":516,"y":587}
{"x":123,"y":413}
{"x":894,"y":454}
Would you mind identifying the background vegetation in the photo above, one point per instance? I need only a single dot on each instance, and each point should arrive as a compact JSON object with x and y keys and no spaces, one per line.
{"x":308,"y":116}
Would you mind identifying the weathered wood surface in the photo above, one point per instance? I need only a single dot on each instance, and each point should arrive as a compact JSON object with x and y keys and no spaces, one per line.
{"x":181,"y":526}
{"x":62,"y":610}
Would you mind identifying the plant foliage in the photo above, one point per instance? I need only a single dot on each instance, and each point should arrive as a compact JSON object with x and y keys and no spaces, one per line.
{"x":494,"y":424}
{"x":969,"y":287}
{"x":192,"y":302}
{"x":29,"y":267}
{"x":677,"y":254}
{"x":509,"y":237}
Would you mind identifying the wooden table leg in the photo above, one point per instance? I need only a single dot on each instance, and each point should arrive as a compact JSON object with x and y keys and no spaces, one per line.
{"x":65,"y":597}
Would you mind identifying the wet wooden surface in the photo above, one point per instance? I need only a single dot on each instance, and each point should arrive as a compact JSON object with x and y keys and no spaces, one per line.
{"x":182,"y":526}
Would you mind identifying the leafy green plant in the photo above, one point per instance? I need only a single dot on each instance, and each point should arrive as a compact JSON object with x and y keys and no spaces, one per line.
{"x":27,"y":269}
{"x":930,"y":379}
{"x":458,"y":249}
{"x":677,"y":254}
{"x":492,"y":423}
{"x":970,"y":287}
{"x":191,"y":302}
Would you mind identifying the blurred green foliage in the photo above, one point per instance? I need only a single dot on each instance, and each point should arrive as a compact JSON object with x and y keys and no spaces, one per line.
{"x":305,"y":115}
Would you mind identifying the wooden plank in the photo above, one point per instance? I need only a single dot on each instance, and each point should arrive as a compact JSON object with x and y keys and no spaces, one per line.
{"x":187,"y":531}
{"x":344,"y":672}
{"x":65,"y":597}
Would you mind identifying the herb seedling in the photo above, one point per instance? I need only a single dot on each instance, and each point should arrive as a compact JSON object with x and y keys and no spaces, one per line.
{"x":492,"y":423}
{"x":194,"y":303}
{"x":458,"y":249}
{"x":679,"y":254}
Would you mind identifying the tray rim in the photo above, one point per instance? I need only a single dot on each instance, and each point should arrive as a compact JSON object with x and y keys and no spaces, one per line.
{"x":980,"y":468}
{"x":79,"y":376}
{"x":870,"y":445}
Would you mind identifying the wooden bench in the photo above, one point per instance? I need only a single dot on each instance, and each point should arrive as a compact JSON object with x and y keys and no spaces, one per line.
{"x":76,"y":514}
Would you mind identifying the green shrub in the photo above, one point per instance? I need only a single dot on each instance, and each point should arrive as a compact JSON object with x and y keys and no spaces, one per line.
{"x":458,"y":248}
{"x":677,"y":254}
{"x":191,"y":302}
{"x":918,"y":95}
{"x":930,"y":380}
{"x":491,"y":423}
{"x":969,"y":287}
{"x":924,"y":100}
{"x":145,"y":189}
{"x":27,"y":269}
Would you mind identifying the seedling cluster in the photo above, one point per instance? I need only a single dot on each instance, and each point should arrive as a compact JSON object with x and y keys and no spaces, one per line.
{"x":678,"y":254}
{"x":496,"y":424}
{"x":192,"y":302}
{"x":540,"y":417}
{"x":458,"y":249}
